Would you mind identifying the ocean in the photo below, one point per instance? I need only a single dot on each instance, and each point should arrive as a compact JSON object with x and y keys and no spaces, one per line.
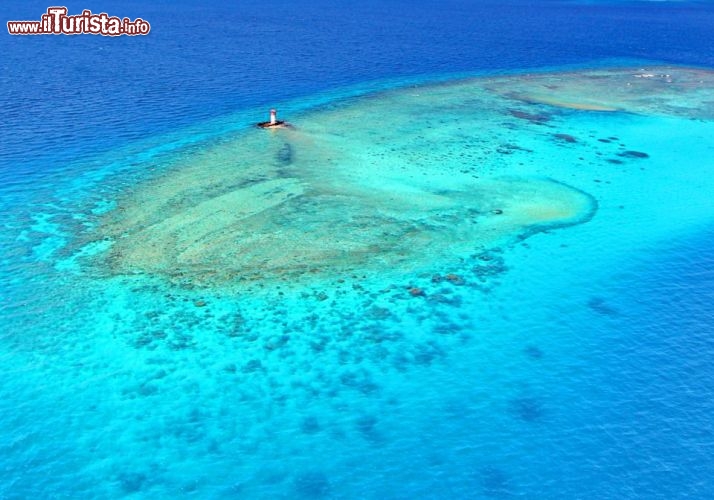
{"x":479,"y":264}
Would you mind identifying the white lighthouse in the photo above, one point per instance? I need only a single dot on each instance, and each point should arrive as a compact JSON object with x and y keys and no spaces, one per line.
{"x":273,"y":122}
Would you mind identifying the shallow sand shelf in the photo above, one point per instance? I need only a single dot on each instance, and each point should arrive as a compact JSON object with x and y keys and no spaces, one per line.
{"x":660,"y":90}
{"x":390,"y":182}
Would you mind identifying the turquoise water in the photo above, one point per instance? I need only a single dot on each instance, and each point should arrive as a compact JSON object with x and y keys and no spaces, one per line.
{"x":516,"y":370}
{"x":479,"y":266}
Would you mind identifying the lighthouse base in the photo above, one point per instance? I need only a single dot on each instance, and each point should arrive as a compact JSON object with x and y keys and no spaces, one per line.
{"x":277,"y":124}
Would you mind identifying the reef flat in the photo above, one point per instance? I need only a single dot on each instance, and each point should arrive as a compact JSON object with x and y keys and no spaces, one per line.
{"x":404,"y":180}
{"x":661,"y":90}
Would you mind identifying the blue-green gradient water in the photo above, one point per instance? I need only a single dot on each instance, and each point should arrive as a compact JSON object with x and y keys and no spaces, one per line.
{"x":451,"y":287}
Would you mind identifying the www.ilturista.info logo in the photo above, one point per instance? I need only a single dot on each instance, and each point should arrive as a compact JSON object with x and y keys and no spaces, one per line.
{"x":57,"y":22}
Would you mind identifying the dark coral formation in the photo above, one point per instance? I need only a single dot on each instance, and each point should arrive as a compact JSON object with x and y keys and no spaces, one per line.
{"x":528,"y":409}
{"x":311,"y":484}
{"x":634,"y":154}
{"x":565,"y":138}
{"x":537,"y":118}
{"x":600,"y":306}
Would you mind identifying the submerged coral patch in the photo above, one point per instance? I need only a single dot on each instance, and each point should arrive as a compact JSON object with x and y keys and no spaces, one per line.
{"x":340,"y":194}
{"x":662,"y":90}
{"x":410,"y":179}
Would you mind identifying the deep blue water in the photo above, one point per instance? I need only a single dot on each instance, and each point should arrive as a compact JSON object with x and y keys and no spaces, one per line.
{"x":659,"y":373}
{"x":642,"y":414}
{"x":641,"y":411}
{"x":64,"y":97}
